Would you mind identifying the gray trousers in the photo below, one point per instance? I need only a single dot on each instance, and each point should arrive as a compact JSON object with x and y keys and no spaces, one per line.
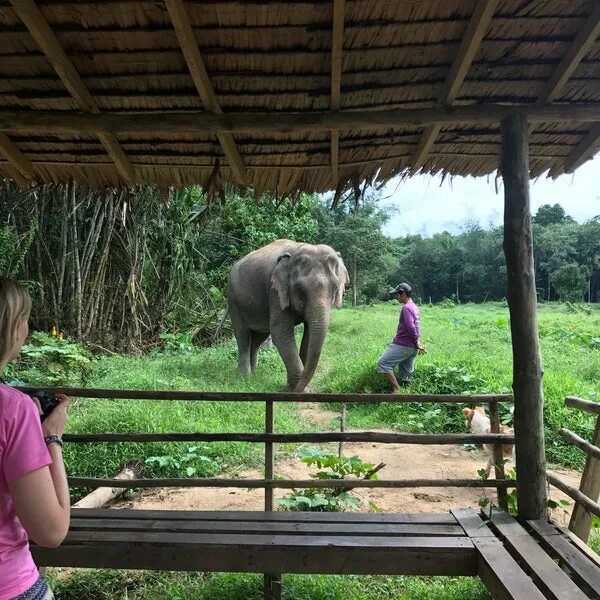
{"x":401,"y":356}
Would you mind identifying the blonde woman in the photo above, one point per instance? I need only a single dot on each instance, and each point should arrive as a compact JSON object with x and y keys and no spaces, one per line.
{"x":34,"y":495}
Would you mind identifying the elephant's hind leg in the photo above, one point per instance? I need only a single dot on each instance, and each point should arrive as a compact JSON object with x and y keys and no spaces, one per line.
{"x":258,"y":337}
{"x":244,"y":343}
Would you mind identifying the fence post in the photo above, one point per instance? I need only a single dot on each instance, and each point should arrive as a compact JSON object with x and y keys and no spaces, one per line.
{"x":581,"y":520}
{"x":272,"y":581}
{"x":498,"y":455}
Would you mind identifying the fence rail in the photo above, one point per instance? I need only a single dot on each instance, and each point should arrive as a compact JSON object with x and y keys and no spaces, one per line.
{"x":291,"y":483}
{"x":273,"y":396}
{"x":288,"y":438}
{"x":269,"y":438}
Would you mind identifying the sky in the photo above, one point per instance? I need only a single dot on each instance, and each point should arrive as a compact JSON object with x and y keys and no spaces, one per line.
{"x":425,"y":205}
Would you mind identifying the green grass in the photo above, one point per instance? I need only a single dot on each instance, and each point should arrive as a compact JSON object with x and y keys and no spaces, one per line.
{"x":150,"y":585}
{"x":469,"y":350}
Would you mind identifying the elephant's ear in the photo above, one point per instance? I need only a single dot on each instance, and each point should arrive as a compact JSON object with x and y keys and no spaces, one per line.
{"x":343,"y":281}
{"x":280,"y":280}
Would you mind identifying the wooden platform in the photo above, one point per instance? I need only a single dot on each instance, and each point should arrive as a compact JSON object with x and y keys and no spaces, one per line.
{"x":513,"y":562}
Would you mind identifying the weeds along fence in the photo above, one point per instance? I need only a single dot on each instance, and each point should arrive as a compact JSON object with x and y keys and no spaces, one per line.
{"x":269,"y":438}
{"x":586,"y":497}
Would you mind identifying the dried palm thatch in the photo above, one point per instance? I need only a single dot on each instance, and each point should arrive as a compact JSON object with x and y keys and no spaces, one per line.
{"x":160,"y":57}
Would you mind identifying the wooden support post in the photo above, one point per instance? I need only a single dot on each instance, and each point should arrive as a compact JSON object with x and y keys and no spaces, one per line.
{"x":522,"y":303}
{"x":342,"y":429}
{"x":498,"y":456}
{"x":272,"y":581}
{"x":581,"y":519}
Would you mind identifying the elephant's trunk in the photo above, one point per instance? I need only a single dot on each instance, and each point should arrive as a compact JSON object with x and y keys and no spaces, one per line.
{"x":318,"y":323}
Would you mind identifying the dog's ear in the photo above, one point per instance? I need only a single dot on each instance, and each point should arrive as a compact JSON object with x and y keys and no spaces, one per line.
{"x":467,"y":412}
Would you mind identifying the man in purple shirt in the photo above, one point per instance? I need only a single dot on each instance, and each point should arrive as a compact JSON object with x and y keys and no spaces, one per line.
{"x":405,"y":346}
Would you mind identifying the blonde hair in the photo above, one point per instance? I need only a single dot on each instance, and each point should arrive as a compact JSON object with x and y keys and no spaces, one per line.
{"x":15,"y":303}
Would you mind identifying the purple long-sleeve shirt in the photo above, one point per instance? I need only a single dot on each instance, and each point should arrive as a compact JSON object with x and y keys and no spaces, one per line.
{"x":408,"y":326}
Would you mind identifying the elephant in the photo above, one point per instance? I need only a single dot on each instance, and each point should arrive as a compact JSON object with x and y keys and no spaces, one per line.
{"x":277,"y":287}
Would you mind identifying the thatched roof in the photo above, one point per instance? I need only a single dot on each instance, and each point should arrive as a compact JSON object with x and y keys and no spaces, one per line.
{"x":159,"y":57}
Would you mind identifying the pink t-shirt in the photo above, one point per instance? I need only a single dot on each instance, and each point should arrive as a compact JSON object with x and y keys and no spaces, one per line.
{"x":22,"y":450}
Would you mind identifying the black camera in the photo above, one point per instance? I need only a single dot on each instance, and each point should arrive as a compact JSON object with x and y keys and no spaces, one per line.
{"x":47,"y":401}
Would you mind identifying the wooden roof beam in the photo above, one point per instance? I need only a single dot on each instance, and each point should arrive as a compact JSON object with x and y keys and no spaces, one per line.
{"x":581,"y":45}
{"x":40,"y":30}
{"x":586,"y":149}
{"x":478,"y":25}
{"x":20,"y":163}
{"x":193,"y":58}
{"x":158,"y":122}
{"x":337,"y":47}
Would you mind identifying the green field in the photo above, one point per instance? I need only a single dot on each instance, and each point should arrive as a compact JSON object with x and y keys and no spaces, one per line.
{"x":468,"y":351}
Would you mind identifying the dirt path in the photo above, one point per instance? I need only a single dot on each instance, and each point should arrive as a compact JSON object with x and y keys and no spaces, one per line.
{"x":403,"y":461}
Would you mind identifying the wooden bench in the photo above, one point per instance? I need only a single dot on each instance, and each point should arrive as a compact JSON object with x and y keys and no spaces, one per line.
{"x":265,"y":542}
{"x":513,"y":562}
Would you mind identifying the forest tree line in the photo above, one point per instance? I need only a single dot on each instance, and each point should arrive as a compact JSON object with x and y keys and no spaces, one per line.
{"x":117,"y":268}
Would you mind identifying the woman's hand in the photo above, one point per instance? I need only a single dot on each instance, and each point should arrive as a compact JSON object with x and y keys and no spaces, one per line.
{"x":56,"y":421}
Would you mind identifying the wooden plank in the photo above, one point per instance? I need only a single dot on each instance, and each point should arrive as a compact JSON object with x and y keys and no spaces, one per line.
{"x":501,"y":574}
{"x":169,"y":122}
{"x":584,"y":548}
{"x":337,"y":47}
{"x":497,"y":569}
{"x":581,"y":45}
{"x":391,"y":556}
{"x":470,"y":43}
{"x":187,"y":41}
{"x":585,"y":405}
{"x":354,"y":436}
{"x":471,"y":523}
{"x":38,"y":27}
{"x":278,"y":396}
{"x":522,"y":303}
{"x":582,"y":444}
{"x":287,"y":484}
{"x":10,"y":151}
{"x":582,"y":569}
{"x":271,"y":528}
{"x":547,"y":575}
{"x":259,"y":515}
{"x":585,"y":150}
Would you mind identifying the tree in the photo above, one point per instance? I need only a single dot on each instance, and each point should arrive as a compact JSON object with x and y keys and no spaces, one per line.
{"x":570,"y":281}
{"x":356,"y":233}
{"x":551,"y":215}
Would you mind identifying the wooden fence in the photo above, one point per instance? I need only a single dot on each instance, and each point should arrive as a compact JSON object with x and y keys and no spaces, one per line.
{"x":269,"y":438}
{"x":586,"y":497}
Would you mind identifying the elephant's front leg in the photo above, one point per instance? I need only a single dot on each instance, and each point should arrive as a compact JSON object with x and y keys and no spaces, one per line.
{"x":244,"y":344}
{"x":282,"y":333}
{"x":304,"y":344}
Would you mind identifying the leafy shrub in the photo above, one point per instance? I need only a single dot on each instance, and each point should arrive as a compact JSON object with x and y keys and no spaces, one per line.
{"x":176,"y":344}
{"x":49,"y":359}
{"x":446,"y":303}
{"x":191,"y":463}
{"x":331,"y":466}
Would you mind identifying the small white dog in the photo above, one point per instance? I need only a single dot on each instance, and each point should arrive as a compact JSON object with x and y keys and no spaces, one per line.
{"x":478,"y":422}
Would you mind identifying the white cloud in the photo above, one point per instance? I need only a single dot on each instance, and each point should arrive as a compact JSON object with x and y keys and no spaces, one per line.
{"x":426,"y":205}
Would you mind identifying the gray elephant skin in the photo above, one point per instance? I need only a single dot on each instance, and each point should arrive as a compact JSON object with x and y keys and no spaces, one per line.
{"x":277,"y":287}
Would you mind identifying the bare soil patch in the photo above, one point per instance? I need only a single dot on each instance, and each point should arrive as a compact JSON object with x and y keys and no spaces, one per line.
{"x":403,"y":461}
